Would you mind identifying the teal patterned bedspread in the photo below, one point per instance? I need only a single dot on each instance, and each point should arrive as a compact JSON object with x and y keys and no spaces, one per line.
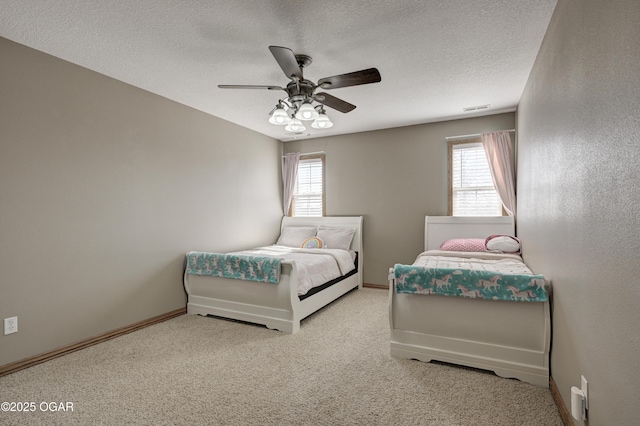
{"x":476,"y":284}
{"x":249,"y":268}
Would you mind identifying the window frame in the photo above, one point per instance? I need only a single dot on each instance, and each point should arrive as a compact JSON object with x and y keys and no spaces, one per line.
{"x":450,"y":148}
{"x":304,"y":157}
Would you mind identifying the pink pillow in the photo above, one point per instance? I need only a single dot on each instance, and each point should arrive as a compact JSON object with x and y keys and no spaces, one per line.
{"x":463,"y":244}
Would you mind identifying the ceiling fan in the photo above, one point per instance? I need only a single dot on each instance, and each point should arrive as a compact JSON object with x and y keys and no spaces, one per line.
{"x":301,"y":93}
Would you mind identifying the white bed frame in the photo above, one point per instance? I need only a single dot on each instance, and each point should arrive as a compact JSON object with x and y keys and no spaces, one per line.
{"x":511,"y":339}
{"x":275,"y":305}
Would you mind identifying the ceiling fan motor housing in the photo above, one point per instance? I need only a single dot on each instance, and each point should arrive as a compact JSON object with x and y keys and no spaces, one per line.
{"x":300,"y":91}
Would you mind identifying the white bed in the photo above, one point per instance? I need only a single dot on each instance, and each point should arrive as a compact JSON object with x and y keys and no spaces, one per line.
{"x":511,"y":339}
{"x":276,"y":306}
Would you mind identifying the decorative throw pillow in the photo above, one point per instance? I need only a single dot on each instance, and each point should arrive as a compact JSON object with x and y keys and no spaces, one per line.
{"x":293,"y":236}
{"x":312,"y":243}
{"x":463,"y":244}
{"x":336,"y":238}
{"x":503,"y":243}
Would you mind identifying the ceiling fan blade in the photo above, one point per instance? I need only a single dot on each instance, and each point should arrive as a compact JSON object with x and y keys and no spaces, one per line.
{"x":287,"y":61}
{"x":247,"y":86}
{"x":356,"y":78}
{"x":333,"y":102}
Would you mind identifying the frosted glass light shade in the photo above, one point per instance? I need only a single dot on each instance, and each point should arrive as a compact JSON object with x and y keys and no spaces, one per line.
{"x":322,"y":122}
{"x":306,"y":112}
{"x":279,"y":117}
{"x":295,"y":126}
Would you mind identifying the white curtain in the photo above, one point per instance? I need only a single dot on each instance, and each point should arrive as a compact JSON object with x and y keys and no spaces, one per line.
{"x":289,"y":176}
{"x":499,"y":151}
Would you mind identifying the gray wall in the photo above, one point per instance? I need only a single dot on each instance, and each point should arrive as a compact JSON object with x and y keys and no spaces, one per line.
{"x":393,"y":178}
{"x":103,"y":188}
{"x":579,"y":198}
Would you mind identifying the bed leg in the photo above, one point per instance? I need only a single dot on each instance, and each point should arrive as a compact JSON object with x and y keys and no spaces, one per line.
{"x":290,"y":327}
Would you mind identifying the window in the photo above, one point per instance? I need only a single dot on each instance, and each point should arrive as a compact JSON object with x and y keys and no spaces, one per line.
{"x":471,"y":189}
{"x":308,"y":194}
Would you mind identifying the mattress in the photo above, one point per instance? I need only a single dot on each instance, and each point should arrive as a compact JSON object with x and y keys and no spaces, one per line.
{"x":315,"y":267}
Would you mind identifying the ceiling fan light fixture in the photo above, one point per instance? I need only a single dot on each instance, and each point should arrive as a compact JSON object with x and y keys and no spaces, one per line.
{"x":322,"y":122}
{"x":306,"y":112}
{"x":279,"y":117}
{"x":295,"y":126}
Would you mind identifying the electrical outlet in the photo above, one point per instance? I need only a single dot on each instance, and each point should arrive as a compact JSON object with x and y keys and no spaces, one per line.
{"x":10,"y":325}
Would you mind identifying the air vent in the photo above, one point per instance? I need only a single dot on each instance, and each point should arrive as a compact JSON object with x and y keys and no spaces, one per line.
{"x":475,"y":108}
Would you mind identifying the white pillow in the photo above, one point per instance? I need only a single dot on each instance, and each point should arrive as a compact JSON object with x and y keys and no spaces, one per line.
{"x":293,"y":236}
{"x":503,"y":243}
{"x":336,"y":238}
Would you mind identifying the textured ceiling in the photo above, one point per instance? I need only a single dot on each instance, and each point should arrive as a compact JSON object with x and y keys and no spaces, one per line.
{"x":435,"y":57}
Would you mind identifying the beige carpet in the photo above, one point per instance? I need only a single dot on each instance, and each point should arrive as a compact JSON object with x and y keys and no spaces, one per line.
{"x":336,"y":371}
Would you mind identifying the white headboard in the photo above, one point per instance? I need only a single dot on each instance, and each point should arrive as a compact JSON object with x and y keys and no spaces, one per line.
{"x":331,"y":221}
{"x":440,"y":228}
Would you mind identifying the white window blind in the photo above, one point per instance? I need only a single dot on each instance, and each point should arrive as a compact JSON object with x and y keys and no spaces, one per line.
{"x":472,"y":190}
{"x":308,"y":196}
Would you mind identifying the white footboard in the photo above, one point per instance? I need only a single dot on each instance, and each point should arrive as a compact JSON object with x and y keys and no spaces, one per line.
{"x":262,"y":303}
{"x":276,"y":306}
{"x":511,"y":339}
